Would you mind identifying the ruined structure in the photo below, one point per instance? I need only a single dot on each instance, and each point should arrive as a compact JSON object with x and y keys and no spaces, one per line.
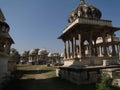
{"x":90,"y":45}
{"x":5,"y":43}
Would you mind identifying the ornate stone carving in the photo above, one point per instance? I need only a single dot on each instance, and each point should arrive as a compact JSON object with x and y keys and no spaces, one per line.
{"x":85,"y":11}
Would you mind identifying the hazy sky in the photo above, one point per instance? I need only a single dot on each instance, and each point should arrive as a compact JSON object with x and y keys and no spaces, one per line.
{"x":38,"y":23}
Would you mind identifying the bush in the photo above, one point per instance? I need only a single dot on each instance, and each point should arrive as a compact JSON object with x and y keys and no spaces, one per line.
{"x":104,"y":82}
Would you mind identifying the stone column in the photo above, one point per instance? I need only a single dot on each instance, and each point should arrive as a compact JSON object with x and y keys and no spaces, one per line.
{"x":96,"y":52}
{"x":113,"y":45}
{"x":74,"y":47}
{"x":104,"y":44}
{"x":87,"y":51}
{"x":30,"y":57}
{"x":80,"y":54}
{"x":100,"y":50}
{"x":68,"y":49}
{"x":117,"y":49}
{"x":90,"y":45}
{"x":65,"y":52}
{"x":37,"y":57}
{"x":108,"y":50}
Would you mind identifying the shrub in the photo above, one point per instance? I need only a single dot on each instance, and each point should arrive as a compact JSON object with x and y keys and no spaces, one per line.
{"x":104,"y":82}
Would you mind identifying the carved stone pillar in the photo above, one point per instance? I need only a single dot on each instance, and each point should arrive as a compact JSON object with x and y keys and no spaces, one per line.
{"x":104,"y":44}
{"x":108,"y":51}
{"x":117,"y":49}
{"x":37,"y":57}
{"x":31,"y":57}
{"x":90,"y":45}
{"x":65,"y":52}
{"x":100,"y":51}
{"x":68,"y":49}
{"x":95,"y":46}
{"x":80,"y":54}
{"x":113,"y":45}
{"x":74,"y":47}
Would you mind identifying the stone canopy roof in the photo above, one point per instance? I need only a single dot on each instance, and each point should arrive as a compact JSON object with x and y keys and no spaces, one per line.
{"x":84,"y":10}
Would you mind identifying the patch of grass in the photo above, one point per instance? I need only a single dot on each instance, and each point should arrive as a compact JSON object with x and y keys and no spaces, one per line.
{"x":41,"y":77}
{"x":35,"y":67}
{"x":35,"y":70}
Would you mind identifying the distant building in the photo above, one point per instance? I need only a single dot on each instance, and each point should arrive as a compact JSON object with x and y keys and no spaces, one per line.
{"x":23,"y":57}
{"x":34,"y":56}
{"x":55,"y":58}
{"x":42,"y":56}
{"x":33,"y":53}
{"x":7,"y":64}
{"x":90,"y":45}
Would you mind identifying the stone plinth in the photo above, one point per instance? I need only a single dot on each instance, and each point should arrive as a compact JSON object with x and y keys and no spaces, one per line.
{"x":85,"y":74}
{"x":113,"y":73}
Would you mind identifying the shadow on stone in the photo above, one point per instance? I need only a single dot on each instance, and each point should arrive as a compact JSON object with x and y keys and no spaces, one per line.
{"x":46,"y":84}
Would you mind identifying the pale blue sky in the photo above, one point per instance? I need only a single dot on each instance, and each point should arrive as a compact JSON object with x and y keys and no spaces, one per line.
{"x":38,"y":23}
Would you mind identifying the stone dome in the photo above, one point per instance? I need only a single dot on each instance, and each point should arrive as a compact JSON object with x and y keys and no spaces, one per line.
{"x":62,"y":55}
{"x":33,"y":52}
{"x":50,"y":55}
{"x":42,"y":52}
{"x":22,"y":54}
{"x":84,"y":10}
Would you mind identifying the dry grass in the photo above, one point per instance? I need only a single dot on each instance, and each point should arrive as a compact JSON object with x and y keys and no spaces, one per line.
{"x":36,"y":71}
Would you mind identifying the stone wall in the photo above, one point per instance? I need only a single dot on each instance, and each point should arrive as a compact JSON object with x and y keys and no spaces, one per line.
{"x":78,"y":76}
{"x":3,"y":67}
{"x":113,"y":73}
{"x":88,"y":74}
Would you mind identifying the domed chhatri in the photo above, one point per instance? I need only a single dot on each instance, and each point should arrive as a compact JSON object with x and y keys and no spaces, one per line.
{"x":42,"y":52}
{"x":33,"y":52}
{"x":89,"y":46}
{"x":84,"y":10}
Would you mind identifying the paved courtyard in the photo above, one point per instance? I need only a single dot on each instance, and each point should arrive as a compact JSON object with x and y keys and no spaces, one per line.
{"x":38,"y":77}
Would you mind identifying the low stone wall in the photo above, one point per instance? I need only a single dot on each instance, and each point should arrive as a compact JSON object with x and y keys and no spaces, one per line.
{"x":87,"y":74}
{"x":78,"y":76}
{"x":85,"y":70}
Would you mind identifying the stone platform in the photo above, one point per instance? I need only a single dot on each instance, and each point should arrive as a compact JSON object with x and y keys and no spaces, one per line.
{"x":82,"y":75}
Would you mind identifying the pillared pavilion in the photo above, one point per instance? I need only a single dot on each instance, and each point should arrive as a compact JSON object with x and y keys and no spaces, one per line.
{"x":90,"y":44}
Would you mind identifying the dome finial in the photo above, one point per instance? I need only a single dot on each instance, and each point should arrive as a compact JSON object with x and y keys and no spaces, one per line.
{"x":82,"y":1}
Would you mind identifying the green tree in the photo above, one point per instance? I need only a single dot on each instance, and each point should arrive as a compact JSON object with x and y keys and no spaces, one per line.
{"x":15,"y":54}
{"x":104,"y":82}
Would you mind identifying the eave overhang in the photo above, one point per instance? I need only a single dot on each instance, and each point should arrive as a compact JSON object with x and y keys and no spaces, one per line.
{"x":89,"y":23}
